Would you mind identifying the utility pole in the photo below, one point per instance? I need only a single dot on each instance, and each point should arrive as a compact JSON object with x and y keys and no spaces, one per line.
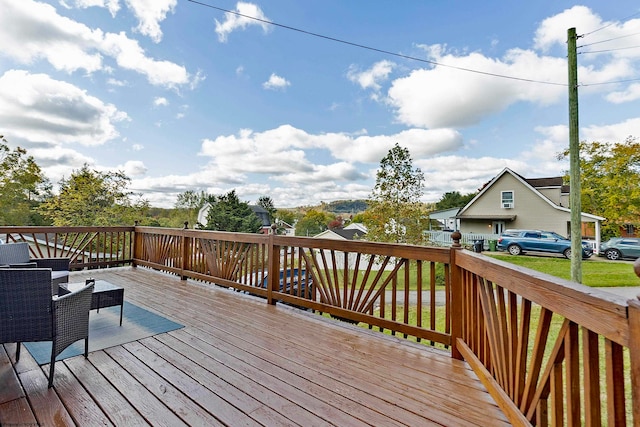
{"x":574,"y":160}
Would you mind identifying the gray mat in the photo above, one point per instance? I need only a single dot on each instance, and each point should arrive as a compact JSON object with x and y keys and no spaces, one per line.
{"x":105,"y":331}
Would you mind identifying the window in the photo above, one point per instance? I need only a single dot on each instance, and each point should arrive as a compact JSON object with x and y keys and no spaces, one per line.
{"x":507,"y":199}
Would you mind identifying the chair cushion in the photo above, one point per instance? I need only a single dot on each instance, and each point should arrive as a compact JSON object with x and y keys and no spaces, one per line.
{"x":59,"y":274}
{"x":14,"y":253}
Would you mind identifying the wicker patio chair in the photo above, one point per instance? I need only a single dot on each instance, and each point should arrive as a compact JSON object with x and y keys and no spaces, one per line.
{"x":17,"y":255}
{"x":29,"y":313}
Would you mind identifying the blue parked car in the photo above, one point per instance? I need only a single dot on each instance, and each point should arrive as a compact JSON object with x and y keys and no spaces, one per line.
{"x":620,"y":247}
{"x":517,"y":242}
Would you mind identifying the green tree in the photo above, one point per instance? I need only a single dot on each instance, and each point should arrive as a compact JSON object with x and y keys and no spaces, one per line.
{"x":22,"y":186}
{"x":287,"y":215}
{"x":312,"y":223}
{"x":453,"y":199}
{"x":267,"y":204}
{"x":228,"y":213}
{"x":89,"y":197}
{"x":395,"y":213}
{"x":610,"y":177}
{"x":189,"y":204}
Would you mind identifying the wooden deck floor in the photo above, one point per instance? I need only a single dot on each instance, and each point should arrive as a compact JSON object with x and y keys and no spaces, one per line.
{"x":242,"y":362}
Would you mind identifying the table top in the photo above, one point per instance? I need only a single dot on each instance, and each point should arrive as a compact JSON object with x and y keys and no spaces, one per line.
{"x":100,"y":286}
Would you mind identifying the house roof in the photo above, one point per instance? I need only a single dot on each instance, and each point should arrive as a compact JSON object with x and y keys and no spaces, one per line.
{"x":551,"y":182}
{"x":444,"y":213}
{"x":341,"y":233}
{"x":356,"y":226}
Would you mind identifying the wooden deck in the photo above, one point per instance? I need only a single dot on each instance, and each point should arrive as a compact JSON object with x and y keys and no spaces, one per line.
{"x":242,"y":362}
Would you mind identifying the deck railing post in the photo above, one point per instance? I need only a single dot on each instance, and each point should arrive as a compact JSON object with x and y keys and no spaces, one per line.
{"x":134,"y":246}
{"x":456,"y":297}
{"x":634,"y":355}
{"x":186,"y":252}
{"x":273,"y":272}
{"x":634,"y":348}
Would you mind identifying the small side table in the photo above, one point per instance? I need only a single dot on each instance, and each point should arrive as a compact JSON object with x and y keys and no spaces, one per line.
{"x":104,"y":295}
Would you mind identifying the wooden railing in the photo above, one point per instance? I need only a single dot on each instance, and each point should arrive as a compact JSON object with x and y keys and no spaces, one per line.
{"x":87,"y":247}
{"x":551,"y":352}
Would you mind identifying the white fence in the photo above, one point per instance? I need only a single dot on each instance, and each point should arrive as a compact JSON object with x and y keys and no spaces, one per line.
{"x":443,"y":238}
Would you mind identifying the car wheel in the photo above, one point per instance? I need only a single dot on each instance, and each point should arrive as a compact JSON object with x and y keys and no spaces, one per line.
{"x":514,"y":249}
{"x":613,"y":254}
{"x":567,"y":253}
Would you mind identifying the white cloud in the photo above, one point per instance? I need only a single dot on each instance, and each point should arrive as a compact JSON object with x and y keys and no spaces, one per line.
{"x":133,"y":168}
{"x":235,"y":22}
{"x":160,"y":101}
{"x":371,"y":78}
{"x":129,"y":55}
{"x":552,"y":32}
{"x":150,"y":13}
{"x":112,"y":5}
{"x":276,"y":82}
{"x":620,"y":37}
{"x":137,"y":147}
{"x":71,"y":46}
{"x":115,"y":82}
{"x":616,"y":132}
{"x":39,"y":109}
{"x":286,"y":158}
{"x":440,"y":97}
{"x":632,"y":93}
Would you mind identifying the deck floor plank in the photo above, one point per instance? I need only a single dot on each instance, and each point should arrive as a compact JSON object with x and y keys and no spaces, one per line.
{"x":84,"y":410}
{"x":112,"y":402}
{"x":150,"y":407}
{"x":216,"y":405}
{"x":17,"y":412}
{"x":297,"y":375}
{"x":242,"y":362}
{"x":44,"y":401}
{"x":11,"y":388}
{"x":325,"y":351}
{"x":291,"y":402}
{"x":222,"y":381}
{"x":189,"y":411}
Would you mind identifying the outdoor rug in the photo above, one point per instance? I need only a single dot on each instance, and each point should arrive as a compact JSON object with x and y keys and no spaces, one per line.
{"x":105,"y":331}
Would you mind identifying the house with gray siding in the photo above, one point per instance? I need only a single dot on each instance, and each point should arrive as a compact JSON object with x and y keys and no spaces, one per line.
{"x":511,"y":201}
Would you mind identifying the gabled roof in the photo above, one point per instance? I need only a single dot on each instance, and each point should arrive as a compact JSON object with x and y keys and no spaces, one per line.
{"x":342,"y":233}
{"x":356,"y":226}
{"x":548,"y":182}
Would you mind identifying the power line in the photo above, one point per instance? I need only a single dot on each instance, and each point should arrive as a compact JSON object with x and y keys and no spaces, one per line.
{"x":608,"y":40}
{"x":386,"y":52}
{"x":608,"y":50}
{"x":609,"y":83}
{"x":609,"y":24}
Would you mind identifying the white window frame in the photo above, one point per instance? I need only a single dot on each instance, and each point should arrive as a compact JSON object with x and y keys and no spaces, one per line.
{"x":507,"y":203}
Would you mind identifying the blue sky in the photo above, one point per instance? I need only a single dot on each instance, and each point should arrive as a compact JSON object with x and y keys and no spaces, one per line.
{"x":182,"y":96}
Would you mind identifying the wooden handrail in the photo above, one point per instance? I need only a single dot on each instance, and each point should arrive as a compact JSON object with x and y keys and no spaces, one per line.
{"x":548,"y":350}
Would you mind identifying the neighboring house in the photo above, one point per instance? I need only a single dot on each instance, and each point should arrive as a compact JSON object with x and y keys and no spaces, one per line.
{"x":357,"y":226}
{"x":258,"y":210}
{"x":512,"y":201}
{"x":447,"y":218}
{"x":341,"y":234}
{"x":286,"y":228}
{"x":354,"y":233}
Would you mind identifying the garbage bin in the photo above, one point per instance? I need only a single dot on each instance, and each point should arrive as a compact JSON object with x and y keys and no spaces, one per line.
{"x":478,"y":245}
{"x":493,"y":245}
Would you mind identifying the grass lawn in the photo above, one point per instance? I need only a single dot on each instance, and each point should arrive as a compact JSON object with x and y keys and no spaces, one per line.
{"x":595,"y":272}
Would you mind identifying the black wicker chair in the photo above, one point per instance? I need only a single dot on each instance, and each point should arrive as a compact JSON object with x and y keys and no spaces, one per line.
{"x":17,"y":255}
{"x":28,"y":312}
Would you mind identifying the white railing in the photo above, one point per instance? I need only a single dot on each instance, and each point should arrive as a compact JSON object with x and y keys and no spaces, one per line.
{"x":443,"y":238}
